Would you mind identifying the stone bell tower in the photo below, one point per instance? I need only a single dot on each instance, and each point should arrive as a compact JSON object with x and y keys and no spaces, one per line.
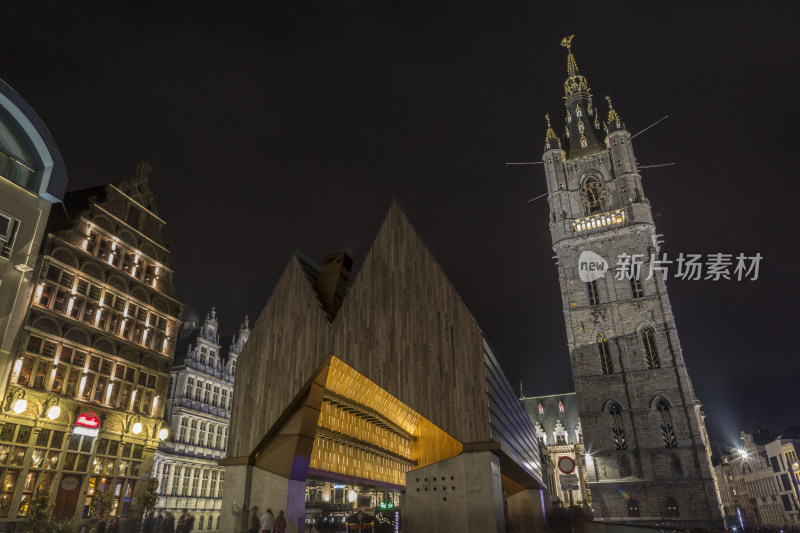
{"x":646,"y":443}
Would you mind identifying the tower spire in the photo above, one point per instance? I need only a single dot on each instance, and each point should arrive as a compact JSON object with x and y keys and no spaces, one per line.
{"x":582,"y":135}
{"x":572,"y":65}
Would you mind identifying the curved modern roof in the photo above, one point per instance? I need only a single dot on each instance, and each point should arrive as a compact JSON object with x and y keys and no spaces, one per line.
{"x":35,"y":162}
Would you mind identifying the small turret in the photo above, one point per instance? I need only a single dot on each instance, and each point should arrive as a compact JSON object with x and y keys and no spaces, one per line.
{"x":551,"y":140}
{"x":614,"y":121}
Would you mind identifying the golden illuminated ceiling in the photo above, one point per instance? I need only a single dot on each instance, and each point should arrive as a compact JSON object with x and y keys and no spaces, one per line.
{"x":365,"y":432}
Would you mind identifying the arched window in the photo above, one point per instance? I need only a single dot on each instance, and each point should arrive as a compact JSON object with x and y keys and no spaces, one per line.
{"x":617,"y":429}
{"x":665,"y":421}
{"x":650,"y":349}
{"x":202,"y":518}
{"x":633,"y":507}
{"x":605,"y":357}
{"x":672,"y":508}
{"x":593,"y":193}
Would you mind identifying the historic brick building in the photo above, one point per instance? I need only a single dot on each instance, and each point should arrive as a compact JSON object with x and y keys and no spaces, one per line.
{"x":83,"y":410}
{"x":642,"y":423}
{"x":198,"y":412}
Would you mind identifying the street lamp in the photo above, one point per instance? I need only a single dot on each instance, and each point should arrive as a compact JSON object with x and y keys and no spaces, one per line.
{"x":51,"y":409}
{"x":160,"y":431}
{"x":15,"y":400}
{"x":133,"y":424}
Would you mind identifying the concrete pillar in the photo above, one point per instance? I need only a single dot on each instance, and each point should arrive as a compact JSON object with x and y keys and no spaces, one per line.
{"x":527,"y":510}
{"x":463,"y":493}
{"x":267,"y":491}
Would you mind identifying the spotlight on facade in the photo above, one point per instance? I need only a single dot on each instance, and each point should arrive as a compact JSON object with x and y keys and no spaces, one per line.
{"x":20,"y":405}
{"x":54,"y":412}
{"x":137,"y":428}
{"x":743,"y":454}
{"x":352,"y":496}
{"x":163,"y":434}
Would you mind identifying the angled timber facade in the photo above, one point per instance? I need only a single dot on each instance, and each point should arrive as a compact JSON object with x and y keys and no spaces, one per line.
{"x":401,"y":373}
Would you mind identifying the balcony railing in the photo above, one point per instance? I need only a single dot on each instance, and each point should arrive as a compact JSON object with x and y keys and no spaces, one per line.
{"x":608,"y":219}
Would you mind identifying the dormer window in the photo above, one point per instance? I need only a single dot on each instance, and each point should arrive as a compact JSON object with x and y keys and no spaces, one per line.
{"x":578,"y":111}
{"x":541,"y":408}
{"x":569,"y":118}
{"x":560,"y":407}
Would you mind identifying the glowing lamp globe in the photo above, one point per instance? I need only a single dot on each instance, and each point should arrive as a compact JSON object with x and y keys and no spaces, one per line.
{"x":20,"y":406}
{"x":137,"y":428}
{"x":163,"y":434}
{"x":54,"y":412}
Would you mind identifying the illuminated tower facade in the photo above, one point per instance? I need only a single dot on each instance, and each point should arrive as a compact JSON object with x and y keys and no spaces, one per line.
{"x":648,"y":454}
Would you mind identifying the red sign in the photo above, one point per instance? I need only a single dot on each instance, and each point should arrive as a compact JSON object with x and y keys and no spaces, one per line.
{"x":566,"y":464}
{"x":88,"y":420}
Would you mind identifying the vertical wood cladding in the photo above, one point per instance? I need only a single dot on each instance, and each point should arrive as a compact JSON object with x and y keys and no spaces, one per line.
{"x":402,"y":325}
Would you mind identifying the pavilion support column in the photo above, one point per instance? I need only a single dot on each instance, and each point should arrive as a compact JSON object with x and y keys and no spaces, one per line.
{"x":267,"y":491}
{"x":463,"y":493}
{"x":526,"y":510}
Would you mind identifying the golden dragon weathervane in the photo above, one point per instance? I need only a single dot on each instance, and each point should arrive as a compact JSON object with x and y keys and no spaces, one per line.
{"x":566,"y":42}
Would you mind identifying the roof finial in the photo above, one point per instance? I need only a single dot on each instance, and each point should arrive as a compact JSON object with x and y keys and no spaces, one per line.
{"x":551,"y":140}
{"x":572,"y":65}
{"x":614,"y":120}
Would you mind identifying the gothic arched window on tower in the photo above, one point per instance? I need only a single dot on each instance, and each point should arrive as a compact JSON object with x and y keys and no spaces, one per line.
{"x":605,"y":356}
{"x":636,"y":281}
{"x":650,"y":349}
{"x":617,"y":429}
{"x":633,"y":507}
{"x":594,"y":294}
{"x":672,"y":508}
{"x":665,"y":421}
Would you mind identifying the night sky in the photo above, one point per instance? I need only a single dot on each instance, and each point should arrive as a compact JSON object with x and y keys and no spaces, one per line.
{"x":273,"y":128}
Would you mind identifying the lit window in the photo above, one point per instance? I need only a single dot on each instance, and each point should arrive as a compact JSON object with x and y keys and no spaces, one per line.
{"x":650,"y":349}
{"x":594,"y":295}
{"x":617,"y":428}
{"x":605,"y":357}
{"x":672,"y":508}
{"x":633,"y":508}
{"x":665,"y":421}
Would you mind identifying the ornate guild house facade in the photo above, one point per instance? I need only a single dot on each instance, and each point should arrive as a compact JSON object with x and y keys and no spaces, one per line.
{"x":83,"y":410}
{"x":648,"y":454}
{"x":198,"y":412}
{"x":560,"y":434}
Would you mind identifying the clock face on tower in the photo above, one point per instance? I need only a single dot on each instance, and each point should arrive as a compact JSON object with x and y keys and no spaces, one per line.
{"x":593,"y":193}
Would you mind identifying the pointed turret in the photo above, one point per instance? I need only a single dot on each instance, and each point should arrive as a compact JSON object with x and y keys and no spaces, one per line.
{"x":551,"y":140}
{"x":614,"y":121}
{"x":582,"y":135}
